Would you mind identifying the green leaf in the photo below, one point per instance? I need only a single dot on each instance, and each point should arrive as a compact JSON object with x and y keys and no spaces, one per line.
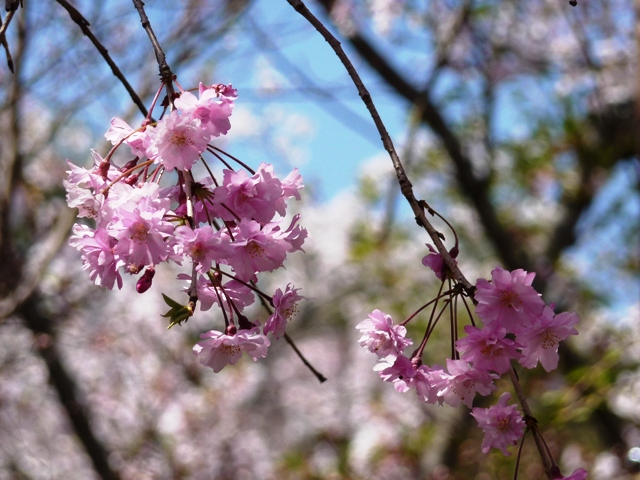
{"x":178,"y":313}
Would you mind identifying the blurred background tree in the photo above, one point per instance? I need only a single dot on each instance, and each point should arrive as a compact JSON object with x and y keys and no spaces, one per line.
{"x":518,"y":122}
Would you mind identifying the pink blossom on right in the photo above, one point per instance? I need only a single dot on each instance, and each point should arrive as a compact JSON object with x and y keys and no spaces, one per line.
{"x":540,"y":341}
{"x":508,"y":299}
{"x":502,"y":424}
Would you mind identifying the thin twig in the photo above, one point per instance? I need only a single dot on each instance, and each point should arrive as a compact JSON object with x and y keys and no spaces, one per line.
{"x":321,"y":378}
{"x":3,"y":38}
{"x":405,"y":185}
{"x":166,"y":75}
{"x":547,"y":461}
{"x":83,"y":23}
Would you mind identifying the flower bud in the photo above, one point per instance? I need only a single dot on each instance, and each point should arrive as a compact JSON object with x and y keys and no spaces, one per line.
{"x":144,"y":283}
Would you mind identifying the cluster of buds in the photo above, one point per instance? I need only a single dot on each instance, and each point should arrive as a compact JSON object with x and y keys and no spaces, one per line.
{"x":228,"y":227}
{"x":517,"y":327}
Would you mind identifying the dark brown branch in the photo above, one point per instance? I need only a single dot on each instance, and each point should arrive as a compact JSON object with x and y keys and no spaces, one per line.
{"x":405,"y":185}
{"x":10,"y":174}
{"x":321,"y":378}
{"x":11,"y":10}
{"x":166,"y":75}
{"x":82,"y":22}
{"x":475,"y":189}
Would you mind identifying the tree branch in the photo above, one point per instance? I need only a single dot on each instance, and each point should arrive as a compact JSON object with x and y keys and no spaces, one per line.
{"x":83,"y":23}
{"x":405,"y":185}
{"x":475,"y":189}
{"x":166,"y":75}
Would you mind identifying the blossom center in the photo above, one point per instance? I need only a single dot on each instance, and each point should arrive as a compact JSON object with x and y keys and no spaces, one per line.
{"x":230,"y":349}
{"x":503,"y":424}
{"x":509,"y":299}
{"x":180,"y":139}
{"x":255,"y":249}
{"x":139,"y":232}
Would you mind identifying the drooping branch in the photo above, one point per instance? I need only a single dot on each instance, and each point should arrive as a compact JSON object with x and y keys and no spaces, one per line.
{"x":84,"y":24}
{"x":166,"y":75}
{"x":474,"y":188}
{"x":405,"y":185}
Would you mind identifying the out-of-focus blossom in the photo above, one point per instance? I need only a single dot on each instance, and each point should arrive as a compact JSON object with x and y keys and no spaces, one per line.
{"x":502,"y":424}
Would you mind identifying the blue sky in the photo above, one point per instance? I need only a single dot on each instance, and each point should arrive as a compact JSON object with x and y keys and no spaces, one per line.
{"x":343,"y":135}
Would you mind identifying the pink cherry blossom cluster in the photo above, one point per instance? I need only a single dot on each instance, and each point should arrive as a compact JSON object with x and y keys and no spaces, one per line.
{"x":228,"y":229}
{"x":517,"y":327}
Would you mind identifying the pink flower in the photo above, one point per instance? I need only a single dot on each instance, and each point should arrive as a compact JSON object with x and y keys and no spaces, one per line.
{"x":541,"y":340}
{"x":400,"y":371}
{"x":488,"y":348}
{"x":462,"y":382}
{"x":426,"y":382}
{"x":286,"y":306}
{"x":177,"y":142}
{"x":256,"y":249}
{"x":436,"y":263}
{"x":98,"y":255}
{"x":203,"y":245}
{"x":509,"y":299}
{"x":291,"y":185}
{"x":212,"y":109}
{"x":252,"y":197}
{"x":579,"y":474}
{"x":120,"y":130}
{"x":141,"y":234}
{"x":232,"y":291}
{"x":382,"y":337}
{"x":218,"y":349}
{"x":502,"y":424}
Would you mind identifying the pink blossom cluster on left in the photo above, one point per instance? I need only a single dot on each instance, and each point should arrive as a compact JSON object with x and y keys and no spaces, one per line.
{"x":228,"y":227}
{"x":517,"y":327}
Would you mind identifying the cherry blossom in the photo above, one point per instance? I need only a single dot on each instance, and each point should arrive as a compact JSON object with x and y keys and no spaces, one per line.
{"x":462,"y":382}
{"x":286,"y":306}
{"x":436,"y":263}
{"x":98,"y":256}
{"x":579,"y":474}
{"x":120,"y":131}
{"x":509,"y":299}
{"x":541,"y":340}
{"x":488,"y":348}
{"x":218,"y":349}
{"x":210,"y":223}
{"x":400,"y":371}
{"x":177,"y":142}
{"x":203,"y":245}
{"x":502,"y":424}
{"x":382,"y":337}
